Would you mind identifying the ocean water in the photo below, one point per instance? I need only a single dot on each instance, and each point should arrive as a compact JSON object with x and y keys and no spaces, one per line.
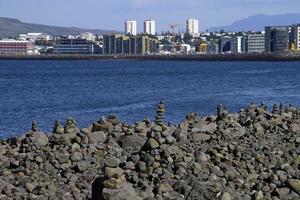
{"x":46,"y":91}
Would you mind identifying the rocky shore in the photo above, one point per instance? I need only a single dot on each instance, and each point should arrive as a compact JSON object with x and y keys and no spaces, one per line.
{"x":251,"y":154}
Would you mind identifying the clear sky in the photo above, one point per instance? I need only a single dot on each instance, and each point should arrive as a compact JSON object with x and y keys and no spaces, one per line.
{"x":110,"y":14}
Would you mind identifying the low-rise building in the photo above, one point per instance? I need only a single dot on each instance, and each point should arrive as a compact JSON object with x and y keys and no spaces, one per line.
{"x":16,"y":47}
{"x":75,"y":46}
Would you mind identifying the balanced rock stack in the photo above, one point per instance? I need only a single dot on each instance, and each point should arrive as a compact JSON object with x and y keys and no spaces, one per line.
{"x":159,"y":119}
{"x":253,"y":154}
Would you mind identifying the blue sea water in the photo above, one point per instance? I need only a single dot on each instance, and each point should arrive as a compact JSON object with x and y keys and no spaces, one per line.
{"x":85,"y":90}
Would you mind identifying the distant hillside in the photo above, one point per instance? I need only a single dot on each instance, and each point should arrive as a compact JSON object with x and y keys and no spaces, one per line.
{"x":13,"y":27}
{"x":258,"y":22}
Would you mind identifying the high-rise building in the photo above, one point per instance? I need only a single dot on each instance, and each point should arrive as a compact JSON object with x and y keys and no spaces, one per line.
{"x":192,"y":26}
{"x":255,"y":42}
{"x":295,"y":36}
{"x":277,"y":38}
{"x":149,"y":27}
{"x":130,"y":27}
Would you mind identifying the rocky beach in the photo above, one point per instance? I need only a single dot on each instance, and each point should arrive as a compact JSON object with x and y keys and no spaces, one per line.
{"x":251,"y":154}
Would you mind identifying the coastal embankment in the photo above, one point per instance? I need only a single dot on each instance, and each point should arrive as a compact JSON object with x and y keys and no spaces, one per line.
{"x":251,"y":154}
{"x":213,"y":57}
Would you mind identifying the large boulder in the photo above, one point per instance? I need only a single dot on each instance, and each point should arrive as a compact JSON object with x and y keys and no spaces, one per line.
{"x":39,"y":139}
{"x":234,"y":132}
{"x":203,"y":128}
{"x":98,"y":137}
{"x":132,"y":143}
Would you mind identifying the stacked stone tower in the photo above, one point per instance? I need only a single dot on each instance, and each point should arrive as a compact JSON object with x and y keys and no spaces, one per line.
{"x":160,"y":114}
{"x":34,"y":126}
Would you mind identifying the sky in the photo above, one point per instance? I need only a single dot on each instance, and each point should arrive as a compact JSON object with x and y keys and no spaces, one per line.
{"x":111,"y":14}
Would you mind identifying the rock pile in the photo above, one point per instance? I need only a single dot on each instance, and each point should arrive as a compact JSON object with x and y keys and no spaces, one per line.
{"x":252,"y":154}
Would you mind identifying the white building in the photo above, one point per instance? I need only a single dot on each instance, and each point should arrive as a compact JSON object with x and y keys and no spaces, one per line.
{"x":88,"y":36}
{"x":34,"y":36}
{"x":192,"y":26}
{"x":149,"y":27}
{"x":130,"y":27}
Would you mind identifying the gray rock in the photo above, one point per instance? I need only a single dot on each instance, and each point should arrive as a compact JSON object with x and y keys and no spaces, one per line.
{"x":152,"y":143}
{"x":39,"y":139}
{"x":294,"y":184}
{"x":126,"y":192}
{"x":113,"y":172}
{"x":226,"y":196}
{"x":97,"y":137}
{"x":132,"y":143}
{"x":111,"y":162}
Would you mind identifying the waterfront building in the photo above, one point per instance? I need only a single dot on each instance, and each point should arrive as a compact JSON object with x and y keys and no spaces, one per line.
{"x":134,"y":44}
{"x":231,"y":44}
{"x":202,"y":48}
{"x":277,"y":39}
{"x":142,"y":45}
{"x":255,"y":42}
{"x":75,"y":46}
{"x":192,"y":26}
{"x":130,"y":27}
{"x":16,"y":47}
{"x":237,"y":44}
{"x":295,"y":36}
{"x":212,"y":47}
{"x":149,"y":27}
{"x":109,"y":43}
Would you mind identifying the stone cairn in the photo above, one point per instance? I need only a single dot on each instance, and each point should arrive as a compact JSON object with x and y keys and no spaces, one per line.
{"x":159,"y":119}
{"x":34,"y":126}
{"x":58,"y":128}
{"x":70,"y":125}
{"x":191,"y":117}
{"x":251,"y":154}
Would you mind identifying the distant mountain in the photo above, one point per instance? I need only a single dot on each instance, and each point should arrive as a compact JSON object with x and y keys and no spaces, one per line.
{"x":13,"y":27}
{"x":258,"y":22}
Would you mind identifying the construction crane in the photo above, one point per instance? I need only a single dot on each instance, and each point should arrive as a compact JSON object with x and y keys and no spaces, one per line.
{"x":174,"y":26}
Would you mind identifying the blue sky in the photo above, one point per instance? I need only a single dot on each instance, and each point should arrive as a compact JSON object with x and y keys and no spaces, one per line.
{"x":110,"y":14}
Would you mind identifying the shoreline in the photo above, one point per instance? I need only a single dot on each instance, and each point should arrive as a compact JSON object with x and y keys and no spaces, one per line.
{"x":217,"y":57}
{"x":251,"y":154}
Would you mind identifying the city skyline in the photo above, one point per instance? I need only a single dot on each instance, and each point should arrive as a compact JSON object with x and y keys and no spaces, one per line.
{"x":96,"y":13}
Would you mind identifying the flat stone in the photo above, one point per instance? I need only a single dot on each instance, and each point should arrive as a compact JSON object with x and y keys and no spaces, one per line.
{"x":157,"y":128}
{"x":114,"y":183}
{"x":111,"y":162}
{"x":201,"y":137}
{"x":113,"y":172}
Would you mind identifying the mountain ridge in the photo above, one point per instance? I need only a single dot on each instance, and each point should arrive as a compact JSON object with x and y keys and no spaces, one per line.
{"x":258,"y":22}
{"x":12,"y":27}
